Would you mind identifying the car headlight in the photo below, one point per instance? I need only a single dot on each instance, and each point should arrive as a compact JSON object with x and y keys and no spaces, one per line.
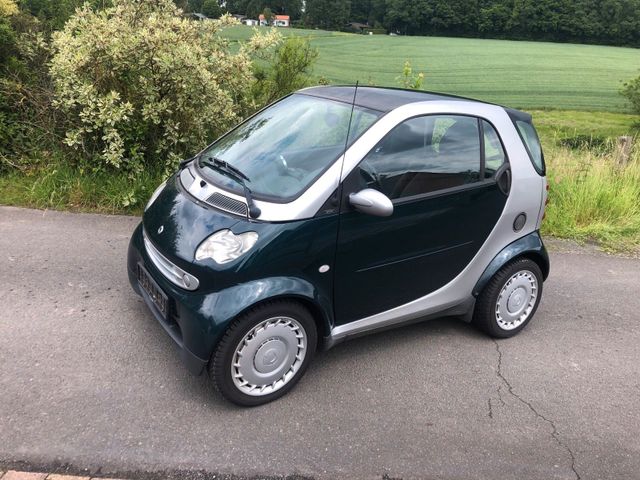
{"x":225,"y":246}
{"x":155,"y":194}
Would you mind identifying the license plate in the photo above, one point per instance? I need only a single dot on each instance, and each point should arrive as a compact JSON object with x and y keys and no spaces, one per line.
{"x":157,"y":296}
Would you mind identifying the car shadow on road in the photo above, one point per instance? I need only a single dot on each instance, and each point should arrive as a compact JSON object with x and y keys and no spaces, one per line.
{"x":383,"y":345}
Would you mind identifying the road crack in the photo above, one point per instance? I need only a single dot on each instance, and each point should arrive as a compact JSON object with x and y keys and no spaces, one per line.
{"x":554,"y":433}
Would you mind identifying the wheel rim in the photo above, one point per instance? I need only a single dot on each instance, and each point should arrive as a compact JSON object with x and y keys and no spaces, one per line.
{"x":269,"y":356}
{"x":516,"y":300}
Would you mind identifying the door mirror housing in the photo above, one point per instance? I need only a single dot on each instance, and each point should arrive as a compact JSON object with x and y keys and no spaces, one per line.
{"x":371,"y":202}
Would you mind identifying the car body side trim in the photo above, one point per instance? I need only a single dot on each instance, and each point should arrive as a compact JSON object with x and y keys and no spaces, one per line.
{"x":414,"y":257}
{"x":462,"y":309}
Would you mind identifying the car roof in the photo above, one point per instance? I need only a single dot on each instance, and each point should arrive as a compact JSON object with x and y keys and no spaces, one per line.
{"x":385,"y":99}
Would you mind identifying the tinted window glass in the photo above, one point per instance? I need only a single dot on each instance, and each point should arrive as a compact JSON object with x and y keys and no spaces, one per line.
{"x":530,"y":137}
{"x":494,"y":155}
{"x":423,"y":155}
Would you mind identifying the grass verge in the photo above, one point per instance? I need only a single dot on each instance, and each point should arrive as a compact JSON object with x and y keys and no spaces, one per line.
{"x":593,"y":198}
{"x":62,"y":187}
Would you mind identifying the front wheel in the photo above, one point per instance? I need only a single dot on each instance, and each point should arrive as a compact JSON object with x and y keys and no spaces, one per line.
{"x":510,"y":299}
{"x":264,"y":353}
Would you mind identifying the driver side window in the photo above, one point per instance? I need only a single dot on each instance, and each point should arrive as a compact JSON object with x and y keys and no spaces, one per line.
{"x":423,"y":155}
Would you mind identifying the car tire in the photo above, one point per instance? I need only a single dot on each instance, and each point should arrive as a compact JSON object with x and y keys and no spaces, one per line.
{"x":509,"y":301}
{"x":264,"y":353}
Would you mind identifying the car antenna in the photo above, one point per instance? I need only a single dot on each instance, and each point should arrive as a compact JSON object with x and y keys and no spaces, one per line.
{"x":346,"y":141}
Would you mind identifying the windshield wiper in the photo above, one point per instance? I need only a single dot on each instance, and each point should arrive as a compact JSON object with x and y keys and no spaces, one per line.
{"x":232,"y":172}
{"x":223,"y":164}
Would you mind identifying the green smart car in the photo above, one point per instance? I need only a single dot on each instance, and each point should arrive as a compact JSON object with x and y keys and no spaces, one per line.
{"x":339,"y":211}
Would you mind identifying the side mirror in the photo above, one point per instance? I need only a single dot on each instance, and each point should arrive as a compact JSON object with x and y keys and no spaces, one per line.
{"x":372,"y":202}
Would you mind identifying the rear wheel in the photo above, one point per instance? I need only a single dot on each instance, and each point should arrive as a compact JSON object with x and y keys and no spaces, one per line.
{"x":264,"y":353}
{"x":510,"y":299}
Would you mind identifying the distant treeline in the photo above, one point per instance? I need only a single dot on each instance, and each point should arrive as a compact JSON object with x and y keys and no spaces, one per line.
{"x":609,"y":22}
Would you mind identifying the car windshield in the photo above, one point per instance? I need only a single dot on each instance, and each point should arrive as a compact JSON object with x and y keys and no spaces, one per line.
{"x":285,"y":148}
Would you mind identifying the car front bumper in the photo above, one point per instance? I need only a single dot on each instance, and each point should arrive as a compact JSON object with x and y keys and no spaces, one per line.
{"x":194,"y":332}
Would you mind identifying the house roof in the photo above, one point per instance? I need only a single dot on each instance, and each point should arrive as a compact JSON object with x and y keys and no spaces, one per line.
{"x":276,"y":17}
{"x":358,"y":25}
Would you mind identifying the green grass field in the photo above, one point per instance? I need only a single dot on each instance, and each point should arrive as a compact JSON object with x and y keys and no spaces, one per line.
{"x":518,"y":74}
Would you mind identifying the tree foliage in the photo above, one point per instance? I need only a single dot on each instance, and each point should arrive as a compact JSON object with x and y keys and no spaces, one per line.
{"x":252,"y":8}
{"x":144,"y":85}
{"x":615,"y":22}
{"x":328,"y":14}
{"x":8,"y":8}
{"x":212,"y":9}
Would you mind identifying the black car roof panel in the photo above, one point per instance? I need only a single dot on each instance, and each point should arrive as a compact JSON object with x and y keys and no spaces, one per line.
{"x":379,"y":98}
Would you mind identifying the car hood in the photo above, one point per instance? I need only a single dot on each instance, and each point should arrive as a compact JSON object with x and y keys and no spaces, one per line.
{"x":176,"y":223}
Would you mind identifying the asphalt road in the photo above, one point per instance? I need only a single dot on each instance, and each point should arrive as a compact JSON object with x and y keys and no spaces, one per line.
{"x":89,"y":380}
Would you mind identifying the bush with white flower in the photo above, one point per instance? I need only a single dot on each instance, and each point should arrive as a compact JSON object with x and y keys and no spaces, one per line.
{"x":142,"y":85}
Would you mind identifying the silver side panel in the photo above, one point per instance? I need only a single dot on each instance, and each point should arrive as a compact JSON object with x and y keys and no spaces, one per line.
{"x":526,"y":196}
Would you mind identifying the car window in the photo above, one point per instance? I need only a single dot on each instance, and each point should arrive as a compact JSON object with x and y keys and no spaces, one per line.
{"x":287,"y":146}
{"x":422,"y":155}
{"x":494,"y":155}
{"x":530,"y":138}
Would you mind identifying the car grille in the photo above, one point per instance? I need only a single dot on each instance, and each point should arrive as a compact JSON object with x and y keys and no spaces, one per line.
{"x":227,"y":204}
{"x":171,"y":272}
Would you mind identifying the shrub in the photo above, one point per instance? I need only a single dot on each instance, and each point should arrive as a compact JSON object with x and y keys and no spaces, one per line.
{"x":144,"y":86}
{"x":408,"y":79}
{"x":28,"y":123}
{"x":289,"y":70}
{"x":631,"y":90}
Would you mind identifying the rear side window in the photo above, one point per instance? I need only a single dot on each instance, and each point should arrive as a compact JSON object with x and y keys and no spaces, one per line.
{"x":494,"y":155}
{"x":532,"y":142}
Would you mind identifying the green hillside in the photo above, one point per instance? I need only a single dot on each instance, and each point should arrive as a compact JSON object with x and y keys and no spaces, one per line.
{"x":519,"y":74}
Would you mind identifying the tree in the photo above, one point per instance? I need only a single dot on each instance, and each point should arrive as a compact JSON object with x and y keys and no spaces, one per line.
{"x":293,"y":8}
{"x":328,"y":14}
{"x":268,"y":15}
{"x":54,"y":13}
{"x":360,"y":11}
{"x":409,"y":17}
{"x":212,"y":9}
{"x":493,"y":18}
{"x":191,"y":5}
{"x":236,"y":6}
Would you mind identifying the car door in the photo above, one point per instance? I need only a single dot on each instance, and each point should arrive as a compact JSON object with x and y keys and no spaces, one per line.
{"x":447,"y":176}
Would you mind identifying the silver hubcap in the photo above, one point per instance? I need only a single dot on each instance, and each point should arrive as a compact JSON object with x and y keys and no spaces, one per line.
{"x":516,"y":300}
{"x":269,"y":356}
